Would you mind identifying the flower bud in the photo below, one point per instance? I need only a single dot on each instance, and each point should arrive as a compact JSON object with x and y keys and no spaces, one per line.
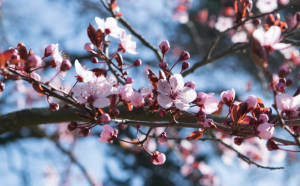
{"x":105,"y":118}
{"x":265,"y":130}
{"x":190,"y":84}
{"x":129,"y":80}
{"x":263,"y":118}
{"x":65,"y":65}
{"x":228,"y":96}
{"x":238,"y":140}
{"x":158,"y":158}
{"x":2,"y":86}
{"x":284,"y":71}
{"x":33,"y":61}
{"x":72,"y":125}
{"x":164,"y":46}
{"x":251,"y":102}
{"x":116,"y":112}
{"x":50,"y":50}
{"x":137,"y":63}
{"x":54,"y":107}
{"x":185,"y":65}
{"x":162,"y":138}
{"x":271,"y":145}
{"x":95,"y":59}
{"x":185,"y":55}
{"x":89,"y":47}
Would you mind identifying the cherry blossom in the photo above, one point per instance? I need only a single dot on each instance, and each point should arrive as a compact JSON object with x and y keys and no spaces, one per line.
{"x":228,"y":96}
{"x":270,"y":39}
{"x":137,"y":99}
{"x":127,"y":45}
{"x":109,"y":26}
{"x":94,"y":92}
{"x":173,"y":91}
{"x":288,"y":103}
{"x":108,"y":134}
{"x":251,"y":102}
{"x":56,"y":58}
{"x":158,"y":158}
{"x":266,"y":130}
{"x":83,"y":74}
{"x":223,"y":23}
{"x":126,"y":92}
{"x":265,"y":6}
{"x":208,"y":102}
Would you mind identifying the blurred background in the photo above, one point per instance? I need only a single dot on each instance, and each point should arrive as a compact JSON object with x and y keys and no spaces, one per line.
{"x":52,"y":156}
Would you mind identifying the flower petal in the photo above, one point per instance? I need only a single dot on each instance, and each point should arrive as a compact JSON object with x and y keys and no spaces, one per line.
{"x":164,"y":101}
{"x":187,"y":95}
{"x":164,"y":87}
{"x":101,"y":102}
{"x":181,"y":105}
{"x":176,"y":82}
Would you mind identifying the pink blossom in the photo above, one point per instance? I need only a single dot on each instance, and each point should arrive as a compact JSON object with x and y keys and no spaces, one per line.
{"x":108,"y":134}
{"x":208,"y":102}
{"x":126,"y":92}
{"x":173,"y":91}
{"x":94,"y":92}
{"x":137,"y":99}
{"x":83,"y":74}
{"x":56,"y":57}
{"x":265,"y":6}
{"x":263,"y":118}
{"x":266,"y":130}
{"x":109,"y":26}
{"x":288,"y":103}
{"x":251,"y":102}
{"x":164,"y":46}
{"x":88,"y":47}
{"x":105,"y":118}
{"x":223,"y":23}
{"x":284,"y":2}
{"x":127,"y":45}
{"x":270,"y":39}
{"x":158,"y":158}
{"x":228,"y":96}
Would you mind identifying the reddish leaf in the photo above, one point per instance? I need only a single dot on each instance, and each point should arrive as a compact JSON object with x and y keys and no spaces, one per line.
{"x":94,"y":35}
{"x":22,"y":51}
{"x":4,"y":56}
{"x":196,"y":135}
{"x":152,"y":77}
{"x":238,"y":113}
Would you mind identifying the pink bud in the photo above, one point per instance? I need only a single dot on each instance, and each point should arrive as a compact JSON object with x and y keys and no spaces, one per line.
{"x":228,"y":96}
{"x":95,"y":59}
{"x":72,"y":125}
{"x":271,"y":145}
{"x":263,"y":118}
{"x":129,"y":80}
{"x":238,"y":140}
{"x":158,"y":158}
{"x":105,"y":118}
{"x":185,"y":55}
{"x":50,"y":50}
{"x":33,"y":61}
{"x":164,"y":46}
{"x":65,"y":65}
{"x":190,"y":84}
{"x":137,"y":63}
{"x":265,"y":130}
{"x":284,"y":71}
{"x":251,"y":102}
{"x":88,"y":47}
{"x":54,"y":107}
{"x":162,"y":138}
{"x":108,"y":134}
{"x":185,"y":65}
{"x":116,"y":112}
{"x":2,"y":86}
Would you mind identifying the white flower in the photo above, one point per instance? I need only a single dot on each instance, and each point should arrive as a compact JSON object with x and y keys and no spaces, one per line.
{"x":127,"y":44}
{"x":94,"y":92}
{"x":110,"y":26}
{"x":174,"y":92}
{"x":266,"y":5}
{"x":83,"y":74}
{"x":223,"y":23}
{"x":270,"y":39}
